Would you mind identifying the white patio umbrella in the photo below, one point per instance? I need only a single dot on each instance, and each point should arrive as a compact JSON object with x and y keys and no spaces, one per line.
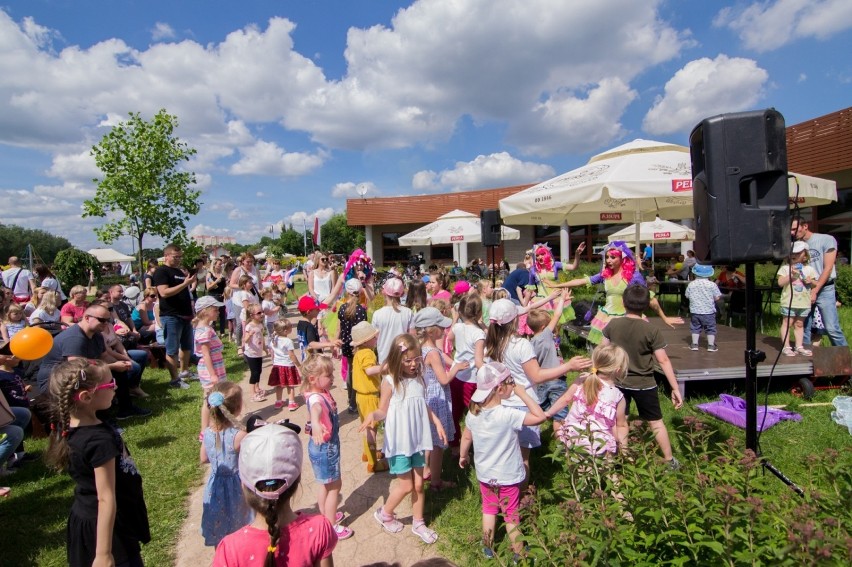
{"x":454,"y":227}
{"x":811,"y":191}
{"x":633,"y":182}
{"x":656,"y":231}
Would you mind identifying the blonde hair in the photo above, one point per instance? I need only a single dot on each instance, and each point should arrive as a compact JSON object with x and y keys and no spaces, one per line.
{"x":267,"y":291}
{"x":77,"y":289}
{"x":228,"y":293}
{"x":315,"y":365}
{"x":13,"y":308}
{"x":402,"y":344}
{"x":66,"y":380}
{"x":610,"y":361}
{"x":497,"y":338}
{"x":499,"y":293}
{"x":224,"y":416}
{"x":282,"y":327}
{"x":443,"y":306}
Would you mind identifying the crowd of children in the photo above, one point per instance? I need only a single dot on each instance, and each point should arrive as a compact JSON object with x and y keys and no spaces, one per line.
{"x":472,"y":370}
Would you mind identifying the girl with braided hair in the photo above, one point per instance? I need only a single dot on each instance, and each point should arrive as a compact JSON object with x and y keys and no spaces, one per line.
{"x":108,"y":519}
{"x":270,"y":468}
{"x":223,"y":508}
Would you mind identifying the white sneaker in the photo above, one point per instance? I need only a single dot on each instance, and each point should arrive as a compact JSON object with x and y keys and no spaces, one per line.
{"x":179,"y":384}
{"x":188,"y":375}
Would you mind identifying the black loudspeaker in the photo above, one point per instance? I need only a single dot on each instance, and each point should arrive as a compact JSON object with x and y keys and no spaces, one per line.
{"x":490,"y":227}
{"x":739,"y":186}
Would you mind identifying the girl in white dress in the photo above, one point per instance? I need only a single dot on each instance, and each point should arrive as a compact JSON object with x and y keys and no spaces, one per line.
{"x":407,"y":434}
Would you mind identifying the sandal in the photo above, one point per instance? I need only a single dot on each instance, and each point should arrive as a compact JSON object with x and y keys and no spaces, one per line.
{"x":259,"y":397}
{"x":392,"y":526}
{"x":787,"y":351}
{"x":802,"y":351}
{"x":339,"y":517}
{"x":424,"y":533}
{"x":343,"y":532}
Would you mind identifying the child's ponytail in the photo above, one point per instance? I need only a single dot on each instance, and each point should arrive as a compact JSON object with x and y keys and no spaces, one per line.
{"x":225,"y":401}
{"x":611,"y":361}
{"x":66,"y":381}
{"x":270,"y":510}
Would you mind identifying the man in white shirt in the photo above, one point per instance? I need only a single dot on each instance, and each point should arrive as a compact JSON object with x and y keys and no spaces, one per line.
{"x":19,"y":280}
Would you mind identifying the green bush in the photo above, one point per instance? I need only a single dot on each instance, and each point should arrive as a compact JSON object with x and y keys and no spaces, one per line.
{"x":843,"y":286}
{"x":719,"y":509}
{"x":72,"y":266}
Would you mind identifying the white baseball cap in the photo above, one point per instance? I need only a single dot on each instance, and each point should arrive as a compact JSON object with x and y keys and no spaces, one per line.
{"x":273,"y":454}
{"x":502,"y":311}
{"x":489,"y":376}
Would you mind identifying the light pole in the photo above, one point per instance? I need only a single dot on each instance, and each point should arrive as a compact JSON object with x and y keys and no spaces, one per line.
{"x":272,"y":231}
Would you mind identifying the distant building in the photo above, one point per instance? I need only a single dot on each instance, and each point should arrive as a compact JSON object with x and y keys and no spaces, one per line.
{"x":821,"y":147}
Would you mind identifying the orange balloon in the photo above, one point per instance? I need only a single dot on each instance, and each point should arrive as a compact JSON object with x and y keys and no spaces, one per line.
{"x":31,"y":343}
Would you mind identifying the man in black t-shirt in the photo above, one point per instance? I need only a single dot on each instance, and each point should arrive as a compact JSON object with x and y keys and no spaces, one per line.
{"x":173,"y":286}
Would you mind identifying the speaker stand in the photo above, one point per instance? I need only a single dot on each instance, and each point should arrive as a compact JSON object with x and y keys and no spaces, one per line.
{"x":493,"y":267}
{"x":753,"y":357}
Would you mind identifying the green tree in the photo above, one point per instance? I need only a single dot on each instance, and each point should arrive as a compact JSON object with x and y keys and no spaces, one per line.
{"x":72,"y":266}
{"x":339,"y":237}
{"x":142,"y":184}
{"x":291,"y":242}
{"x":14,"y":241}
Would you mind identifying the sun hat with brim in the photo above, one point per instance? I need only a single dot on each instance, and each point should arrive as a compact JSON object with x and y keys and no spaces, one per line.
{"x":430,"y":317}
{"x":362,"y":332}
{"x":205,"y":302}
{"x":489,"y":376}
{"x":393,"y":287}
{"x":353,"y":286}
{"x":702,"y":271}
{"x":308,"y":303}
{"x":799,"y":246}
{"x":271,"y":454}
{"x":502,"y":311}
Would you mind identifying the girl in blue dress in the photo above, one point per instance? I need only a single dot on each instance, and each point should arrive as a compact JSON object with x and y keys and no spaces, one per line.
{"x":224,"y":509}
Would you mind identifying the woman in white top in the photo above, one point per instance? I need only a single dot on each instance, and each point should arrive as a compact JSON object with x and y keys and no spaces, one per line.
{"x":246,"y":267}
{"x":322,"y":279}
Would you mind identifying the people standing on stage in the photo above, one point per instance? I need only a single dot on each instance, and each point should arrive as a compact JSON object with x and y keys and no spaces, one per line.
{"x":822,"y":249}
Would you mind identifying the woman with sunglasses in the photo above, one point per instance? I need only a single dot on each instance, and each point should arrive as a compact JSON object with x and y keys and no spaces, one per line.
{"x":619,"y":271}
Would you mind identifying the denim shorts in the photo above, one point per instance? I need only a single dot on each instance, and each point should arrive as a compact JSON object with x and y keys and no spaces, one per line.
{"x":325,"y":460}
{"x":795,"y":312}
{"x":549,"y":392}
{"x":401,"y":464}
{"x":179,"y":334}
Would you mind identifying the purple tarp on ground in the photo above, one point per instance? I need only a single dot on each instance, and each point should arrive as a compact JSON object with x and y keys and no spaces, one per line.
{"x":733,"y":410}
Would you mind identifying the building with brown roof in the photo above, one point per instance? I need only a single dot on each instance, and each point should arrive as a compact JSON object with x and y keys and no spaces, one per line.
{"x":821,"y":147}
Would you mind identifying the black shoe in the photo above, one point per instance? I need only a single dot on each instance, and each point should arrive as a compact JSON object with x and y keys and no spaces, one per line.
{"x":133,"y":411}
{"x":353,"y":411}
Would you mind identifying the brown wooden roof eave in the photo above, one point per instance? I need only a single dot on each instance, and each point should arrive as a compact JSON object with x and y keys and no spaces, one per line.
{"x":423,"y":209}
{"x":821,"y":145}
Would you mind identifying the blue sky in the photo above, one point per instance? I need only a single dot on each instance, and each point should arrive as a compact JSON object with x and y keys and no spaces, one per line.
{"x":294,"y":105}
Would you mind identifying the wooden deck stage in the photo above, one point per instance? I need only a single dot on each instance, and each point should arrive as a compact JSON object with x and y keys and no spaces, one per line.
{"x":725,"y":364}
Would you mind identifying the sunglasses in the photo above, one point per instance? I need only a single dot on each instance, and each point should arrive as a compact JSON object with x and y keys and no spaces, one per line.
{"x":99,"y":319}
{"x":111,"y":385}
{"x":256,"y":313}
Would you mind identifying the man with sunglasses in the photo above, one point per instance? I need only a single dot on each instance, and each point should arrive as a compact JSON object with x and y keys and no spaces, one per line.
{"x":84,"y":340}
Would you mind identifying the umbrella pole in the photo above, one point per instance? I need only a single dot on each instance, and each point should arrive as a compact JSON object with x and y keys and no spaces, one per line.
{"x":637,"y":217}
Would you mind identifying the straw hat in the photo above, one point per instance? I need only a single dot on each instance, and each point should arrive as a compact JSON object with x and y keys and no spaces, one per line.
{"x":362,"y":332}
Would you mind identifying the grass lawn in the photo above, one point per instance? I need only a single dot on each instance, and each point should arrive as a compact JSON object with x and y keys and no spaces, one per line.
{"x":165,"y":448}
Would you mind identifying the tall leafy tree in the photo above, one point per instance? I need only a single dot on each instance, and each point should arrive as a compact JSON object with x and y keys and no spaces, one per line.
{"x":14,"y":241}
{"x":339,"y":237}
{"x":143,"y":189}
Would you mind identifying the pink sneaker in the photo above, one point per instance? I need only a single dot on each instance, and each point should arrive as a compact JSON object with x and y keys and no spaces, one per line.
{"x":294,"y":406}
{"x":279,"y":404}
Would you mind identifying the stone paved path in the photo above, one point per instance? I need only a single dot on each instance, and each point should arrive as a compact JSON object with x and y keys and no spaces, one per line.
{"x":362,"y":493}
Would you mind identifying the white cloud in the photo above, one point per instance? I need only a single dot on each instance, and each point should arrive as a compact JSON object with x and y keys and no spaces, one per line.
{"x":79,"y":166}
{"x":162,"y":31}
{"x":260,"y":194}
{"x":565,"y":123}
{"x":301,"y":218}
{"x":705,"y":87}
{"x":764,"y":26}
{"x":351,"y":190}
{"x":494,"y":170}
{"x":266,"y":158}
{"x":237,"y":214}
